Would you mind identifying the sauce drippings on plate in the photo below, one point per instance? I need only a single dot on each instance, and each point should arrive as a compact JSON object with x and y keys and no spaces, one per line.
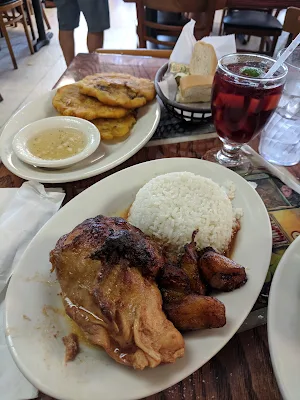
{"x":57,"y":144}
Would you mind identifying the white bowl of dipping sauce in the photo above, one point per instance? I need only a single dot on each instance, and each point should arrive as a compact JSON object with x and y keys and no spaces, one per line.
{"x":56,"y":142}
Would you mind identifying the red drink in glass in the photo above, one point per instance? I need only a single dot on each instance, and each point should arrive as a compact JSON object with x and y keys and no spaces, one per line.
{"x":242,"y":102}
{"x":240,"y":110}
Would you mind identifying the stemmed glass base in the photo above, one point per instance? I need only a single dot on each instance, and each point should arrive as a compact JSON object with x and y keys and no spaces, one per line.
{"x":229,"y":156}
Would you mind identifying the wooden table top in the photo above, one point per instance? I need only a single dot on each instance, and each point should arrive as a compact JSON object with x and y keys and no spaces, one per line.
{"x":242,"y":369}
{"x":87,"y":64}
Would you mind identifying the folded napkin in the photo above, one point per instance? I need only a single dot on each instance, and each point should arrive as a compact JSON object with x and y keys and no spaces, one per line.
{"x":13,"y":385}
{"x":22,"y":213}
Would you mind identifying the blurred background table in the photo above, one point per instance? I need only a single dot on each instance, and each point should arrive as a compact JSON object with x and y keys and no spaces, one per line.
{"x":242,"y":369}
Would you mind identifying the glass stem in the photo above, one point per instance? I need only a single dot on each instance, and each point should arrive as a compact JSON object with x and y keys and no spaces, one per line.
{"x":231,"y":150}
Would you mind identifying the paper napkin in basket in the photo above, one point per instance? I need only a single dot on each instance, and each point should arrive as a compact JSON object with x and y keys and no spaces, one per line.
{"x":22,"y":213}
{"x":183,"y":50}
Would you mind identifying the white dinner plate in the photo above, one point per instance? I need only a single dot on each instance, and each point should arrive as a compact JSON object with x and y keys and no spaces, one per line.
{"x":107,"y":156}
{"x":284,"y":322}
{"x":93,"y":375}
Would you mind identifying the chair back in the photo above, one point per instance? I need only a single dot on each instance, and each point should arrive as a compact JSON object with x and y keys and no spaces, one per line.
{"x":137,"y":52}
{"x":292,"y":23}
{"x":8,"y":5}
{"x":149,"y":29}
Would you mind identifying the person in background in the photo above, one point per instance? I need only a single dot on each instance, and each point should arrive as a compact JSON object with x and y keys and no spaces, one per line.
{"x":96,"y":13}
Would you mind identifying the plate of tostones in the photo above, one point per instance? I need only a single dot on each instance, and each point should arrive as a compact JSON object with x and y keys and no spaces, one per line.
{"x":121,"y":106}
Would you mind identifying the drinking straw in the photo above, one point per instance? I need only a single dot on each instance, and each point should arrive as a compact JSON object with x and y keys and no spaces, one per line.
{"x":283,"y":57}
{"x":280,"y":172}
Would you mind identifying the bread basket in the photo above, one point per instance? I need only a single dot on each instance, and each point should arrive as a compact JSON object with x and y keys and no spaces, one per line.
{"x":196,"y":112}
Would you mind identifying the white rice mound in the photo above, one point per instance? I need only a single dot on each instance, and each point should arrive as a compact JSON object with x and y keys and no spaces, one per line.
{"x":171,"y":206}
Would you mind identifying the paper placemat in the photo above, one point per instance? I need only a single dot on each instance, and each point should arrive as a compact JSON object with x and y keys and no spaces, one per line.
{"x":283,"y":205}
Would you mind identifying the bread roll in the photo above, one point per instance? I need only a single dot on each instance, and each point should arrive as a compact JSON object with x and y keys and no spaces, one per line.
{"x":194,"y":89}
{"x":204,"y":60}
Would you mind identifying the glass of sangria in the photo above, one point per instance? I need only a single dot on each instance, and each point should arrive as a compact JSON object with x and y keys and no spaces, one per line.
{"x":242,"y":102}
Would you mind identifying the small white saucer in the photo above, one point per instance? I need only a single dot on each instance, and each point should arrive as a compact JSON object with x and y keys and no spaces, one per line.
{"x":20,"y":140}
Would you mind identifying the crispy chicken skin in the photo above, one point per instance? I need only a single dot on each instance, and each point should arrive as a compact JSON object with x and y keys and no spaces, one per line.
{"x":105,"y":268}
{"x":220,"y":272}
{"x":72,"y":347}
{"x":189,"y":264}
{"x":196,"y":312}
{"x":129,"y":243}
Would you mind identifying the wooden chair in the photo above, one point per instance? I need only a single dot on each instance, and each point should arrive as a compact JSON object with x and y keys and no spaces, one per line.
{"x":292,"y":23}
{"x":45,"y":17}
{"x":29,"y":12}
{"x":6,"y":7}
{"x":251,"y":22}
{"x":138,"y":52}
{"x":155,"y":32}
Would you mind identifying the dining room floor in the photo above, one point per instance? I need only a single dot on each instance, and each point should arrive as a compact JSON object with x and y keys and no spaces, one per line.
{"x":39,"y":72}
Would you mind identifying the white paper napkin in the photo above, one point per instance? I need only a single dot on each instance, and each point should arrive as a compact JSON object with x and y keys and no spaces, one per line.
{"x":13,"y":385}
{"x":183,"y":48}
{"x":22,"y":213}
{"x":222,"y":44}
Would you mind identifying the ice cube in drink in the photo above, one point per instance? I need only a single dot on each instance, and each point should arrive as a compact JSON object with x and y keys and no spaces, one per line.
{"x":241,"y":107}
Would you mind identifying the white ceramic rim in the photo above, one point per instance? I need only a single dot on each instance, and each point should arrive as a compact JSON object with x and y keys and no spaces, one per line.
{"x":282,"y":269}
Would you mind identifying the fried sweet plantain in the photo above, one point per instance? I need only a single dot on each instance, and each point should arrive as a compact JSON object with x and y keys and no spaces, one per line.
{"x":174,"y":278}
{"x":220,"y":272}
{"x":187,"y":310}
{"x":189,"y":264}
{"x":196,"y":312}
{"x":173,"y":283}
{"x":172,"y":296}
